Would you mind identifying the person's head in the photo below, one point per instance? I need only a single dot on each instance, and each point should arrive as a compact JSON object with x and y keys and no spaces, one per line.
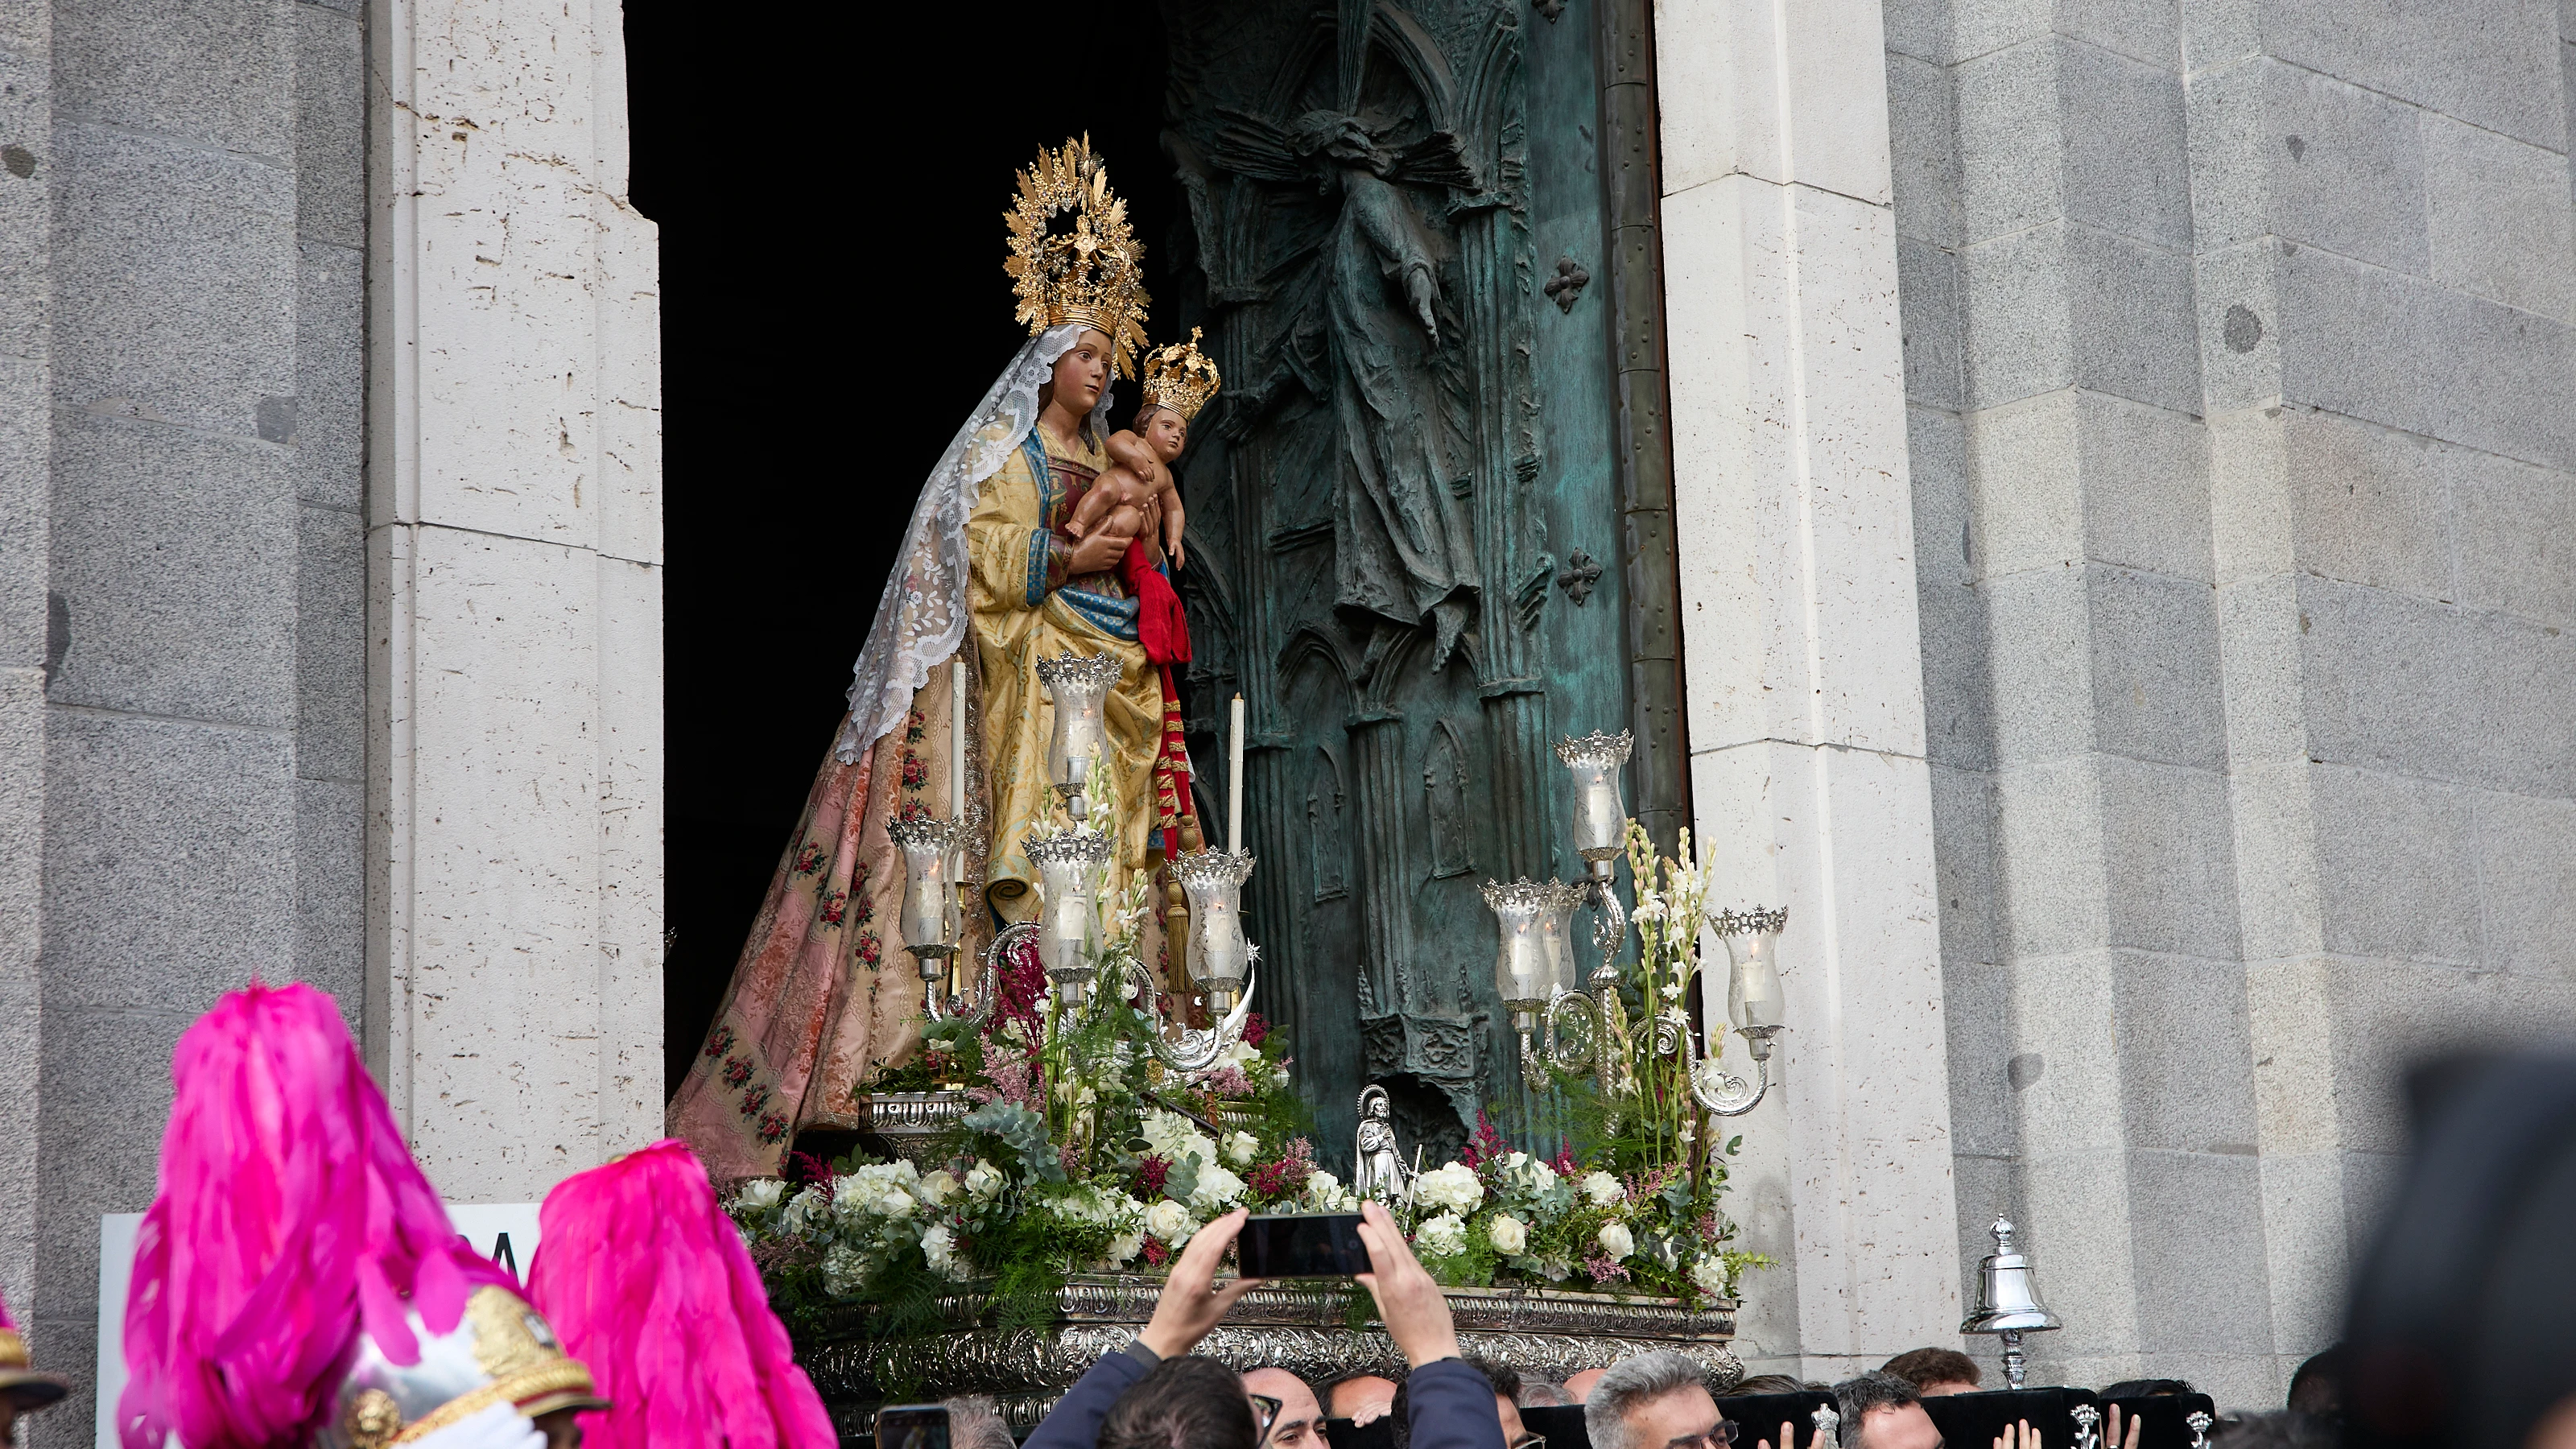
{"x":1881,"y":1411}
{"x":1300,"y":1424}
{"x":2317,"y":1388}
{"x":1656,"y":1400}
{"x":1935,"y":1371}
{"x":1578,"y":1385}
{"x":1181,"y":1403}
{"x":1163,"y":429}
{"x":975,"y":1422}
{"x":1345,"y":1397}
{"x":1080,"y":376}
{"x":1543,"y":1394}
{"x":1507,"y":1396}
{"x":1765,"y":1384}
{"x":2147,"y":1388}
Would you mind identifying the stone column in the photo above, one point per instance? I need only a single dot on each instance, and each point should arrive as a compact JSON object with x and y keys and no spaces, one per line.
{"x":2386,"y":323}
{"x":26,"y":469}
{"x":514,"y":550}
{"x":1804,"y":683}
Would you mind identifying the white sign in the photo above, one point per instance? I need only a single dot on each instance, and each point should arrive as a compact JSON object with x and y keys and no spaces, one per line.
{"x":504,"y":1232}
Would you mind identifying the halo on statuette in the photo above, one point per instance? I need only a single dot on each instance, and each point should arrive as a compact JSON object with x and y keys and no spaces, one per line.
{"x":1087,"y":273}
{"x":1751,"y":921}
{"x":1595,"y":749}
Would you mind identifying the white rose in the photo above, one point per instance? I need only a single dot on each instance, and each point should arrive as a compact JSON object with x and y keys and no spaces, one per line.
{"x":894,"y":1203}
{"x":1709,"y":1275}
{"x":1509,"y":1234}
{"x":1241,"y":1148}
{"x":1603,"y":1189}
{"x":1453,"y":1187}
{"x":985,"y":1180}
{"x":762,"y":1194}
{"x":1216,"y":1190}
{"x":1442,"y":1237}
{"x":1124,"y":1248}
{"x":1170,"y":1222}
{"x":939,"y":1189}
{"x":1617,"y":1241}
{"x":1174,"y":1137}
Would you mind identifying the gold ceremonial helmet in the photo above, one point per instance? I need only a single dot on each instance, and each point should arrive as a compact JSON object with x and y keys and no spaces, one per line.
{"x":1180,"y":377}
{"x":26,"y":1388}
{"x":1073,"y":256}
{"x":501,"y":1352}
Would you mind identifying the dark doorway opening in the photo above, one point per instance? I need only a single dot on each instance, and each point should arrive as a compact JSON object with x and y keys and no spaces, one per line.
{"x":833,"y":303}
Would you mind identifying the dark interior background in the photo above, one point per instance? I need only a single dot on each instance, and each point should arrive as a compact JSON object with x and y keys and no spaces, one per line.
{"x":833,"y":303}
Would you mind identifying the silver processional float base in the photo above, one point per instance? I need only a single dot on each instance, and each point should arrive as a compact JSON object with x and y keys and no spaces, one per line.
{"x":1301,"y":1326}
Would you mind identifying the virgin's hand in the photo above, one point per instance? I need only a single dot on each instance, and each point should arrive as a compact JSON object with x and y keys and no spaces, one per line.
{"x":1100,"y":551}
{"x":1409,"y":1303}
{"x":1193,"y":1301}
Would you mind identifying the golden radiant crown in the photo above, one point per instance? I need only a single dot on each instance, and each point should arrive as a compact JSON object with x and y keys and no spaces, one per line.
{"x":1073,"y":256}
{"x":1180,"y":377}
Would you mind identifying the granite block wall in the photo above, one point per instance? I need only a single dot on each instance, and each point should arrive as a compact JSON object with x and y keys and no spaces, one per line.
{"x":2242,"y":408}
{"x":182,"y":588}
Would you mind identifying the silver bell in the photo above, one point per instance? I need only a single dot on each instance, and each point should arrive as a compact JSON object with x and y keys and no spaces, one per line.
{"x":2007,"y":1302}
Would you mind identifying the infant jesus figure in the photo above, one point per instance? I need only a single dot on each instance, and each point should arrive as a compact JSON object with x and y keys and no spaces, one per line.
{"x":1137,"y":489}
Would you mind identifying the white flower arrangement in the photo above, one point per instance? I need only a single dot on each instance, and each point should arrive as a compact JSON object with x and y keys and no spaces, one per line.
{"x":1617,"y":1241}
{"x":1603,"y":1189}
{"x":1444,"y":1236}
{"x":1170,"y":1221}
{"x":1508,"y":1234}
{"x":1454,"y":1187}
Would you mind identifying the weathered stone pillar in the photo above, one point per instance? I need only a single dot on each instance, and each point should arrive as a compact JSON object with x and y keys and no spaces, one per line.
{"x":514,"y":550}
{"x":1805,"y":685}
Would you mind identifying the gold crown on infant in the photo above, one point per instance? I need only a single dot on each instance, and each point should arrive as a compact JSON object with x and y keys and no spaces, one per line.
{"x":1180,"y":377}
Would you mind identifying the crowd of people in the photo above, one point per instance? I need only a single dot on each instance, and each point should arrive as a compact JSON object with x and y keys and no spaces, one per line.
{"x":1152,"y":1394}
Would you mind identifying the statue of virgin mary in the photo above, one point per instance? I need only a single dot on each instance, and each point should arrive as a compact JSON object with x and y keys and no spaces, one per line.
{"x":990,"y":579}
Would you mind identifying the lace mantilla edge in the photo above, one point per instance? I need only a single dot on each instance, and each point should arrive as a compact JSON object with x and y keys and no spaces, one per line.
{"x":921,"y":618}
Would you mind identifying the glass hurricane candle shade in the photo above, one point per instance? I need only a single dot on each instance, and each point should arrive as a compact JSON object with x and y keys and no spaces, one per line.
{"x":1068,"y":911}
{"x":930,"y":857}
{"x":1218,"y":957}
{"x":1753,"y":986}
{"x":1600,"y":816}
{"x":1081,"y":688}
{"x":1535,"y":960}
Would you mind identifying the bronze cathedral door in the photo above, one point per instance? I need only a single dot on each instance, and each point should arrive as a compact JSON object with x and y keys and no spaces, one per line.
{"x":1407,"y":508}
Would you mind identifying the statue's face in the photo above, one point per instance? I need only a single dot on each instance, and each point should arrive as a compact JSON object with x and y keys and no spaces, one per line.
{"x":1166,"y":434}
{"x":1377,"y":1108}
{"x":1082,"y":374}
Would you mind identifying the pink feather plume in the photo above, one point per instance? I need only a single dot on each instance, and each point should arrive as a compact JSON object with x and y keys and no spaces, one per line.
{"x":288,"y":1210}
{"x":648,"y":1283}
{"x":5,"y":1320}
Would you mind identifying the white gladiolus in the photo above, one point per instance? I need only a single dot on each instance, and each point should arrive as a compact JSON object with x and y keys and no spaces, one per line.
{"x":1442,"y":1237}
{"x":1170,"y":1222}
{"x":762,"y":1194}
{"x":1453,"y":1187}
{"x":1603,"y":1189}
{"x":1617,"y":1241}
{"x":1509,"y":1234}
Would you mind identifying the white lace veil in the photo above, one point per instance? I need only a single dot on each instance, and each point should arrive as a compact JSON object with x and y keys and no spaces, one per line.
{"x":922,"y":617}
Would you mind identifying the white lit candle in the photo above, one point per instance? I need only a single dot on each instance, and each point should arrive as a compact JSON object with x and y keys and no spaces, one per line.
{"x":957,"y":739}
{"x":1234,"y":783}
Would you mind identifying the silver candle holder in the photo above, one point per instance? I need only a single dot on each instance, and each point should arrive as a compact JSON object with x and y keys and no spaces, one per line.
{"x":1080,"y":685}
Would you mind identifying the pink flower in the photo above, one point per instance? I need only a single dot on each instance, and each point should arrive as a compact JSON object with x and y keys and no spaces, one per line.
{"x":1601,"y":1269}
